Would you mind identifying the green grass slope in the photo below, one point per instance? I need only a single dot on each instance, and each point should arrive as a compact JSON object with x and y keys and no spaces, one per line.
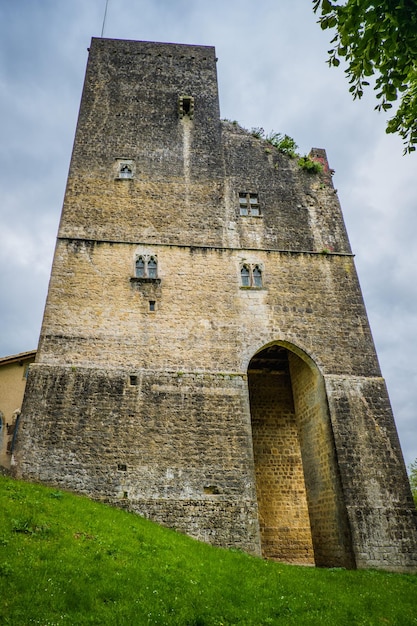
{"x":67,"y":560}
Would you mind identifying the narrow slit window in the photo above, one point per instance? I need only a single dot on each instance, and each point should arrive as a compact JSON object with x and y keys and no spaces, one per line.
{"x":140,"y":267}
{"x":152,"y":305}
{"x":245,"y":276}
{"x":257,"y":277}
{"x":186,"y":106}
{"x":152,"y":268}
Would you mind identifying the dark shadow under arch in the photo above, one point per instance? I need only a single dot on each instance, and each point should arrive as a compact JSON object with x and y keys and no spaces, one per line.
{"x":302,"y":515}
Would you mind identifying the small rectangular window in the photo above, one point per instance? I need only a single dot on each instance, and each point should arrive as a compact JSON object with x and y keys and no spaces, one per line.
{"x":133,"y":380}
{"x":125,"y":168}
{"x":249,"y":204}
{"x":186,"y":106}
{"x":152,"y":305}
{"x":212,"y":490}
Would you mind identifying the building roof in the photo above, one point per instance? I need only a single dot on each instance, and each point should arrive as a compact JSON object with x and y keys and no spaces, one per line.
{"x":22,"y":356}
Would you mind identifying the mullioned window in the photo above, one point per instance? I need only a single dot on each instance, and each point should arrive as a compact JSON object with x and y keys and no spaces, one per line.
{"x":251,"y":276}
{"x":249,"y":204}
{"x":146,"y":267}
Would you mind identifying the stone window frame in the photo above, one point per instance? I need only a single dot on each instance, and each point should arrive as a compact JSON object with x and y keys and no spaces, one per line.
{"x":245,"y":274}
{"x":149,"y":274}
{"x":257,"y":276}
{"x":249,"y":204}
{"x":149,"y":264}
{"x":125,"y":169}
{"x":251,"y":275}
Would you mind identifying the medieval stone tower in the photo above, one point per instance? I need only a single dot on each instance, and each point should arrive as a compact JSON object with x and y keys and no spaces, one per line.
{"x":205,"y":356}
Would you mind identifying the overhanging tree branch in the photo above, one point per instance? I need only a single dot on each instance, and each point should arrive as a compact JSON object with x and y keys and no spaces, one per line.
{"x":378,"y":39}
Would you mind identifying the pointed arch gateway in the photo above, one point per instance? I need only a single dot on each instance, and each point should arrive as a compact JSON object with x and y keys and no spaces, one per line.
{"x":302,"y":515}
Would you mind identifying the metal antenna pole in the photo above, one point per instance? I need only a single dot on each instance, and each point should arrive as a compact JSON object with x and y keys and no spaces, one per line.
{"x":104,"y":19}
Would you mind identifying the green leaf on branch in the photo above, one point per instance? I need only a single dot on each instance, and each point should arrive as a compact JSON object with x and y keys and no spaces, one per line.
{"x":377,"y":39}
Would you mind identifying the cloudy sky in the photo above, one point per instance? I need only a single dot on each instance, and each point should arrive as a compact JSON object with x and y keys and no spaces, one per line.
{"x":272,"y":73}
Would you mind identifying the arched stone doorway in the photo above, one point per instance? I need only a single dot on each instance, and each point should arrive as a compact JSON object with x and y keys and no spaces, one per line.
{"x":302,"y":516}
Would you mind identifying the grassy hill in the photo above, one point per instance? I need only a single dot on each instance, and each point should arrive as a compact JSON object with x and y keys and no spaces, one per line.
{"x":67,"y":560}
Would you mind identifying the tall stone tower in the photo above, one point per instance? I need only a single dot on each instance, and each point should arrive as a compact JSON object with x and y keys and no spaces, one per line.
{"x":205,"y":356}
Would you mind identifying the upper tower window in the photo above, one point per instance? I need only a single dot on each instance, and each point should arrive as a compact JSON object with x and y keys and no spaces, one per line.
{"x":248,"y":203}
{"x":125,"y":171}
{"x":125,"y":168}
{"x":186,"y":106}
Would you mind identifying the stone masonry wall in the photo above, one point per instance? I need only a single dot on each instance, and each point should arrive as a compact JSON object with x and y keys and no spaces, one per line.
{"x":378,"y":496}
{"x":160,"y":444}
{"x":97,"y":316}
{"x":129,"y":110}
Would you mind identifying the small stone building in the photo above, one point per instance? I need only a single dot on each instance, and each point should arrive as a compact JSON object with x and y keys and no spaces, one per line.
{"x":13,"y":374}
{"x":205,"y":357}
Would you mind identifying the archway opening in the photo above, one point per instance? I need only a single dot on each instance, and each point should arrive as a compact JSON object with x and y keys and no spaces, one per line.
{"x":302,"y":516}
